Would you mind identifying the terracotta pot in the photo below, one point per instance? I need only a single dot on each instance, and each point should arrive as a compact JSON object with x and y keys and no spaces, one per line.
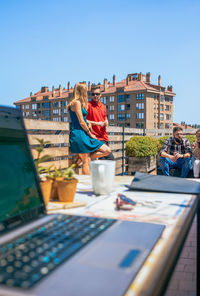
{"x":66,"y":190}
{"x":54,"y":191}
{"x":46,"y":187}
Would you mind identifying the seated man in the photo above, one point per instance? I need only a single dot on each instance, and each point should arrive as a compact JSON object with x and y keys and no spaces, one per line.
{"x":176,"y":153}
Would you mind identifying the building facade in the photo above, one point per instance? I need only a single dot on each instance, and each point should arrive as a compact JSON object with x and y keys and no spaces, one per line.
{"x":133,"y":102}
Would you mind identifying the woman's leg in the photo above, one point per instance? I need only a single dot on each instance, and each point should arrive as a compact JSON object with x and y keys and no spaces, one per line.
{"x":78,"y":161}
{"x":104,"y":150}
{"x":86,"y":163}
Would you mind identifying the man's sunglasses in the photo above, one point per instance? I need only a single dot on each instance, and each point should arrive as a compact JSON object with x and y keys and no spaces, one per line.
{"x":95,"y":94}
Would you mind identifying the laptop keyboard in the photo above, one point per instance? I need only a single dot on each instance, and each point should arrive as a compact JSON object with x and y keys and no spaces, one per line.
{"x":26,"y":260}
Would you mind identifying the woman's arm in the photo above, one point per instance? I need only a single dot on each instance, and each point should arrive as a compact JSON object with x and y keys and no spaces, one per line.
{"x":76,"y":107}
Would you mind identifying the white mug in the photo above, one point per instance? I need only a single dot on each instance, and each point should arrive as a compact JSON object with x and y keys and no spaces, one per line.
{"x":102,"y":174}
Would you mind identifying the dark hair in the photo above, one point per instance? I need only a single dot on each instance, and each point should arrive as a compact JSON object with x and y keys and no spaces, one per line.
{"x":198,"y":131}
{"x":177,"y":128}
{"x":94,"y":87}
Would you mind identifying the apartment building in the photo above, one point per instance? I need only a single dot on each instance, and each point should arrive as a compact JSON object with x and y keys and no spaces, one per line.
{"x":132,"y":102}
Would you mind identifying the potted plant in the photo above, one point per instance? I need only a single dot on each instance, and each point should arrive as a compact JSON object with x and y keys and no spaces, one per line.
{"x":66,"y":184}
{"x":141,"y":152}
{"x":45,"y":183}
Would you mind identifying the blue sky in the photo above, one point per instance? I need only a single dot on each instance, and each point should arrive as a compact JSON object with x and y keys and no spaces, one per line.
{"x":52,"y":42}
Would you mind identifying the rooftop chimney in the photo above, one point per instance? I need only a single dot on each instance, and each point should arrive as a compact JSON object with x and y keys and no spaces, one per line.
{"x":68,"y":85}
{"x":148,"y":77}
{"x":60,"y":90}
{"x":159,"y":80}
{"x":53,"y":91}
{"x":127,"y":80}
{"x":105,"y":84}
{"x":114,"y":79}
{"x":140,"y":76}
{"x":44,"y":89}
{"x":170,"y":88}
{"x":89,"y":86}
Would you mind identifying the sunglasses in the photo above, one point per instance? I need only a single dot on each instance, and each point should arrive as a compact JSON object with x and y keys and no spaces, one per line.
{"x":124,"y":203}
{"x":95,"y":94}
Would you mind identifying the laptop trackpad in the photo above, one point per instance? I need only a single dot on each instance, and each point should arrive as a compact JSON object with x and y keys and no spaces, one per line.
{"x":108,"y":255}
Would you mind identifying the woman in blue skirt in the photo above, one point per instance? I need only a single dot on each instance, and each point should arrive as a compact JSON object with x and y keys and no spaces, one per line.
{"x":82,"y":141}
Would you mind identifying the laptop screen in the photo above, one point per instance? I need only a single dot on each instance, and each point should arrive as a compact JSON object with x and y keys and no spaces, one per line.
{"x":20,"y":196}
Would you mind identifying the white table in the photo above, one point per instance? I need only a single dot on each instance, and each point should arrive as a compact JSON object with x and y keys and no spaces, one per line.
{"x":176,"y":211}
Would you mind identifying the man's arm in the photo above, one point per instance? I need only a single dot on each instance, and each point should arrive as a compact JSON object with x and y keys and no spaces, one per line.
{"x":99,"y":123}
{"x":164,"y":151}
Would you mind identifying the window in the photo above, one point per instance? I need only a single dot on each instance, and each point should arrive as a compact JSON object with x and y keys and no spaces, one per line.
{"x":167,"y":116}
{"x":121,"y":98}
{"x":105,"y":100}
{"x":139,"y":115}
{"x":45,"y":98}
{"x":22,"y":106}
{"x":65,"y":119}
{"x":167,"y":99}
{"x":161,"y":116}
{"x":121,"y":117}
{"x":112,"y":99}
{"x":65,"y":111}
{"x":154,"y":116}
{"x":55,"y":104}
{"x":139,"y":96}
{"x":161,"y":125}
{"x":128,"y":97}
{"x":102,"y":99}
{"x":121,"y":108}
{"x":112,"y":108}
{"x":57,"y":111}
{"x":161,"y":107}
{"x":26,"y":106}
{"x":128,"y":106}
{"x":140,"y":106}
{"x":166,"y":125}
{"x":128,"y":116}
{"x":46,"y":112}
{"x":112,"y":116}
{"x":161,"y":98}
{"x":139,"y":125}
{"x":26,"y":113}
{"x":46,"y":105}
{"x":55,"y":119}
{"x":34,"y":106}
{"x":167,"y":107}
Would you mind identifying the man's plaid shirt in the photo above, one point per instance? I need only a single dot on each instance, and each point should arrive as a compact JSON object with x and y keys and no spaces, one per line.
{"x":170,"y":146}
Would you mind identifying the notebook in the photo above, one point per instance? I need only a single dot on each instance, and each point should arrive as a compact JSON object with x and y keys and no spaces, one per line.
{"x":147,"y":182}
{"x":44,"y":254}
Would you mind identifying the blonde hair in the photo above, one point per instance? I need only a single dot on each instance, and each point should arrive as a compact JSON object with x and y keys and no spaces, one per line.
{"x":80,"y":93}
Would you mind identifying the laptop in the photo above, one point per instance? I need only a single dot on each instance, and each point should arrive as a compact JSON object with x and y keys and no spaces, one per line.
{"x":50,"y":255}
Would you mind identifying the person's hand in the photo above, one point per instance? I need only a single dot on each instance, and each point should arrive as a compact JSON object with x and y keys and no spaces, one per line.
{"x":173,"y":158}
{"x":101,"y":123}
{"x":194,"y":145}
{"x":177,"y":155}
{"x":92,"y":136}
{"x":106,"y":122}
{"x":89,"y":125}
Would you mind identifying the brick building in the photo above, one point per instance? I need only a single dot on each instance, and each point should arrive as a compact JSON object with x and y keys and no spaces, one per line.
{"x":132,"y":102}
